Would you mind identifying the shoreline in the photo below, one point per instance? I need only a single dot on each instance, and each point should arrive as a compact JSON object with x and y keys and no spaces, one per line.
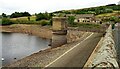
{"x":46,"y":55}
{"x":44,"y":32}
{"x":35,"y":30}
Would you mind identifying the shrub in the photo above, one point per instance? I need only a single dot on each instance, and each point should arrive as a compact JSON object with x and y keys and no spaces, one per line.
{"x":43,"y":23}
{"x":6,"y":21}
{"x":71,"y":20}
{"x":43,"y":16}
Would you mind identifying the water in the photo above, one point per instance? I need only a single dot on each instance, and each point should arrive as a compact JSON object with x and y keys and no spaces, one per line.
{"x":16,"y":46}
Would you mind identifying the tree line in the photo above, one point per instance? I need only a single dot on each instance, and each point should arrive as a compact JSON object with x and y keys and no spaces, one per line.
{"x":94,"y":10}
{"x":16,"y":14}
{"x":19,"y":14}
{"x":40,"y":16}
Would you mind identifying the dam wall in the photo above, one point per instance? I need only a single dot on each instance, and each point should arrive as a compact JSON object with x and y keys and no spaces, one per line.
{"x":104,"y":55}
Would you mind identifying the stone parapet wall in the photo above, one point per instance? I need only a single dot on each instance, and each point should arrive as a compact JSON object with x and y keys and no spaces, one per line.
{"x":104,"y":55}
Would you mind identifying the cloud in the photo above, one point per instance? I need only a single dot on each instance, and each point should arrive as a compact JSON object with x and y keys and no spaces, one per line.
{"x":36,"y":6}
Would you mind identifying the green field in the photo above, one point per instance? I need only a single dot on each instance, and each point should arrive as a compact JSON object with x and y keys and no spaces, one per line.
{"x":108,"y":14}
{"x":32,"y":18}
{"x":0,"y":20}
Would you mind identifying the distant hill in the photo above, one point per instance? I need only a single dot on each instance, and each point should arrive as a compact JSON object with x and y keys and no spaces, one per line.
{"x":111,"y":5}
{"x":93,"y":10}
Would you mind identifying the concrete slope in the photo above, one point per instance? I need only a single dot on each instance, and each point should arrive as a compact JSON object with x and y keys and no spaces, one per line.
{"x":78,"y":54}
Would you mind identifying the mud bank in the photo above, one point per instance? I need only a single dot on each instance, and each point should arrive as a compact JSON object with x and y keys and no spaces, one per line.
{"x":37,"y":30}
{"x":40,"y":31}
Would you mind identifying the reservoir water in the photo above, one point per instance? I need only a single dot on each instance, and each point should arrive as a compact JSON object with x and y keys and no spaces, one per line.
{"x":16,"y":46}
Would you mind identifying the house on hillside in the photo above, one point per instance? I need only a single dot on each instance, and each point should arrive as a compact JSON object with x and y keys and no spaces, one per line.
{"x":84,"y":18}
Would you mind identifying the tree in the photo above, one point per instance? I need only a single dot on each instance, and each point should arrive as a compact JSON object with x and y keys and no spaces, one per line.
{"x":114,"y":19}
{"x":44,"y":16}
{"x":6,"y":21}
{"x":71,"y":20}
{"x":39,"y":16}
{"x":19,"y":14}
{"x":4,"y":15}
{"x":50,"y":15}
{"x":25,"y":14}
{"x":28,"y":18}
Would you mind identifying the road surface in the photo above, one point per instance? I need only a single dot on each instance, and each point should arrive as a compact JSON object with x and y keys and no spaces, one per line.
{"x":79,"y":54}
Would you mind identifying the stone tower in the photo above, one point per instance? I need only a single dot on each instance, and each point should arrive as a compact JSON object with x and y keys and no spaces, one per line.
{"x":59,"y":30}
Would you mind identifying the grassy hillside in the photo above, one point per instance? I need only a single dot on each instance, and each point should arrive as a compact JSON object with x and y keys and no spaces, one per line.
{"x":115,"y":13}
{"x":93,"y":10}
{"x":101,"y":11}
{"x":106,"y":13}
{"x":110,"y":17}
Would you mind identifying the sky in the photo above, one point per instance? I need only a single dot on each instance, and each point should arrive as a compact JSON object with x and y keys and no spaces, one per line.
{"x":36,"y":6}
